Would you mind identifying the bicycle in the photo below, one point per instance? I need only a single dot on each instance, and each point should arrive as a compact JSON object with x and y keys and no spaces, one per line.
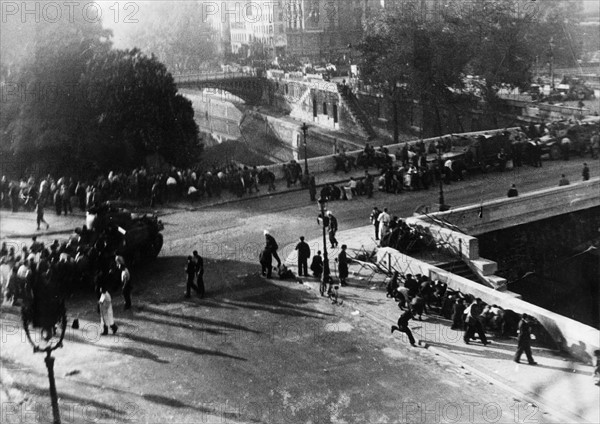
{"x":331,"y":290}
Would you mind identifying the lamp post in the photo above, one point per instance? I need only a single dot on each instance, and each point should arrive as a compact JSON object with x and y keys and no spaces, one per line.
{"x":552,"y":45}
{"x":322,"y":202}
{"x":442,"y":203}
{"x":304,"y":129}
{"x":44,"y":315}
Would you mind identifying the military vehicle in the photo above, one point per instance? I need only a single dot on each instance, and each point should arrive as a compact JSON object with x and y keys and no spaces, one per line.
{"x":133,"y":236}
{"x":578,"y":132}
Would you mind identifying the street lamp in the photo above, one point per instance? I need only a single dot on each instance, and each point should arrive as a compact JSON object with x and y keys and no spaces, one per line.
{"x":304,"y":129}
{"x":322,"y":203}
{"x":45,"y":321}
{"x":442,"y":204}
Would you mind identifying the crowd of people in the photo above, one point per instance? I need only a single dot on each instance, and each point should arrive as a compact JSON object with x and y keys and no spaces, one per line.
{"x":140,"y":185}
{"x":417,"y":295}
{"x":39,"y":275}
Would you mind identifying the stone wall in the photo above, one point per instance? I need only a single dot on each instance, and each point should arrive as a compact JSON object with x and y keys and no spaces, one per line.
{"x":529,"y":207}
{"x":578,"y":339}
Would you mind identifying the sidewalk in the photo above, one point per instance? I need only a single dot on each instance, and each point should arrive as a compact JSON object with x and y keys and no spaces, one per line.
{"x":558,"y":385}
{"x":22,"y":224}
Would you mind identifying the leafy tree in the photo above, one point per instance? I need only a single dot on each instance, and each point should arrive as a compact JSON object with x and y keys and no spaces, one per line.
{"x":83,"y":107}
{"x":415,"y":57}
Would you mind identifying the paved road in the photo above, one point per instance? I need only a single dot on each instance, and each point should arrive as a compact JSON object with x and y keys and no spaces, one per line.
{"x":254,"y":352}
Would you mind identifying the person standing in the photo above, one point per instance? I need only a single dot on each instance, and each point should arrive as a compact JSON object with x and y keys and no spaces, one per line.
{"x":458,"y":310}
{"x":303,"y":254}
{"x":272,"y":246}
{"x":199,"y":262}
{"x":585,"y":172}
{"x":512,"y":192}
{"x":563,"y":181}
{"x":190,"y":270}
{"x":342,"y":260}
{"x":316,"y":265}
{"x":125,"y":281}
{"x":473,"y":323}
{"x":374,"y":220}
{"x":39,"y":211}
{"x":266,"y":263}
{"x":524,"y":341}
{"x":403,"y":326}
{"x":333,"y":227}
{"x":384,"y":223}
{"x":106,"y":312}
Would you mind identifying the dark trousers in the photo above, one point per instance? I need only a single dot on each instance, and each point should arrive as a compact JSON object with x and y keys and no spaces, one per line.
{"x":267,"y":269}
{"x":332,"y":239}
{"x":303,"y":267}
{"x":127,"y":297}
{"x":404,"y":329}
{"x":276,"y":256}
{"x":376,"y":231}
{"x":524,"y":348}
{"x":190,"y":286}
{"x":475,"y":328}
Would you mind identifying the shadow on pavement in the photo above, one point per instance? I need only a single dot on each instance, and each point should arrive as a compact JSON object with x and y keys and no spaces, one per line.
{"x":106,"y":410}
{"x":223,"y":415}
{"x":175,"y":324}
{"x":138,"y":353}
{"x":178,"y":346}
{"x":197,"y":320}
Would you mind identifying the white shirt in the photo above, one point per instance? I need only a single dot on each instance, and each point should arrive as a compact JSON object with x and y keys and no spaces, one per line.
{"x":384,"y":218}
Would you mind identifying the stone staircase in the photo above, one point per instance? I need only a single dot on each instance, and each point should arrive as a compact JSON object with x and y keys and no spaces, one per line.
{"x":355,"y":111}
{"x":459,"y":268}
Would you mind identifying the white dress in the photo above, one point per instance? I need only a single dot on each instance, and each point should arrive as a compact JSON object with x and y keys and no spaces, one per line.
{"x":106,"y":310}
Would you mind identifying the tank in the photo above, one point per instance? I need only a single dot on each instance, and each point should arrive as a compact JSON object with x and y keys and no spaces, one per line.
{"x":134,"y":236}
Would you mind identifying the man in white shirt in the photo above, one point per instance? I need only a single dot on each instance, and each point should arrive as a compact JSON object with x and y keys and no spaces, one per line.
{"x":384,"y":223}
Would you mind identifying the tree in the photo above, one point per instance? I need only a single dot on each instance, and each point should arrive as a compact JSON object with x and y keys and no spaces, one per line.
{"x":88,"y":108}
{"x":415,"y":57}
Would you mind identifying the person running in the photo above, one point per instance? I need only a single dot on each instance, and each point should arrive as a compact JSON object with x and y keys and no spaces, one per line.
{"x":403,"y":326}
{"x":473,"y":323}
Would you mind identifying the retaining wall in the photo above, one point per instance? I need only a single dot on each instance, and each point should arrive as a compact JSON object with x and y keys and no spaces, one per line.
{"x":502,"y":213}
{"x":577,"y":339}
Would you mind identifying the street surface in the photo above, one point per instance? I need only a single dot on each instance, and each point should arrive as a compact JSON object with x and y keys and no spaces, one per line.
{"x":257,"y":351}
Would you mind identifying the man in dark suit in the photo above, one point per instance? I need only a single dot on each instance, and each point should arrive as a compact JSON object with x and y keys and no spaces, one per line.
{"x":343,"y":266}
{"x":524,"y":341}
{"x":303,"y":254}
{"x":199,"y":273}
